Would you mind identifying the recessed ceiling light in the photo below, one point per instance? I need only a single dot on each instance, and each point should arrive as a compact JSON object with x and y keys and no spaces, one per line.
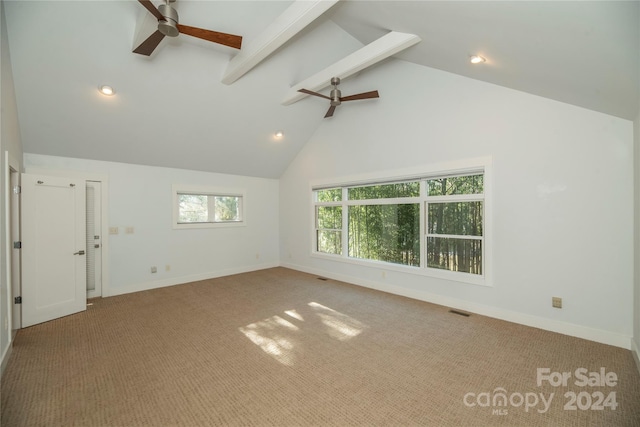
{"x":107,"y":90}
{"x":279,"y":134}
{"x":477,"y":59}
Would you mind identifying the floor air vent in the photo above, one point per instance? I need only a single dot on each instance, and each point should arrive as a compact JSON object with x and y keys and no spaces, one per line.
{"x":460,"y":313}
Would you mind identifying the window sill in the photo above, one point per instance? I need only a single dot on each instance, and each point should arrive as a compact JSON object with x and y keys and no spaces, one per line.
{"x":200,"y":225}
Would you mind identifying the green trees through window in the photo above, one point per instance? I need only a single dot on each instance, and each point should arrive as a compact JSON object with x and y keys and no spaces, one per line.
{"x":329,"y":229}
{"x":204,"y":208}
{"x":455,"y":223}
{"x":383,"y":222}
{"x":389,"y":233}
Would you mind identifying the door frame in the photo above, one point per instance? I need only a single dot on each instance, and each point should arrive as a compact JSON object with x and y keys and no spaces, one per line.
{"x":12,"y":227}
{"x":13,"y":260}
{"x":104,"y":211}
{"x":97,"y":291}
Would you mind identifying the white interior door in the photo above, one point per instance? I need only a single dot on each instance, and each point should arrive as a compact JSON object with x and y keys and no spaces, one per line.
{"x":53,"y":248}
{"x":94,"y":239}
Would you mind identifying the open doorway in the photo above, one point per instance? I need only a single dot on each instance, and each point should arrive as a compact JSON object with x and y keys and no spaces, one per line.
{"x":94,"y":238}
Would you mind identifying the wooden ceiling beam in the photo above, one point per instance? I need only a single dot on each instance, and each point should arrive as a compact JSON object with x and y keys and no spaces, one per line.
{"x":293,"y":20}
{"x":382,"y":48}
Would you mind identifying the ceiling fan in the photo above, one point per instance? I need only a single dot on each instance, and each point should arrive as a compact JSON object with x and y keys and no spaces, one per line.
{"x":168,"y":26}
{"x":336,"y":97}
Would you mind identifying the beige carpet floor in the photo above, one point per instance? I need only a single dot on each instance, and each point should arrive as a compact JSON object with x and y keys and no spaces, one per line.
{"x":281,"y":348}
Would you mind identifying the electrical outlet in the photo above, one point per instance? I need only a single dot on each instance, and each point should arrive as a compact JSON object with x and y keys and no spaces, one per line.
{"x":167,"y":267}
{"x":129,"y":230}
{"x":556,"y":302}
{"x":154,"y":269}
{"x":113,"y":230}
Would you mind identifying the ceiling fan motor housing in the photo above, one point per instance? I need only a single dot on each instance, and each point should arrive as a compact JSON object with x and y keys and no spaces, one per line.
{"x":168,"y":27}
{"x":335,"y":97}
{"x":335,"y":92}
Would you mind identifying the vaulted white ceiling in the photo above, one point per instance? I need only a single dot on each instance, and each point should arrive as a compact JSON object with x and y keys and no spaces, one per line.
{"x":173,"y":108}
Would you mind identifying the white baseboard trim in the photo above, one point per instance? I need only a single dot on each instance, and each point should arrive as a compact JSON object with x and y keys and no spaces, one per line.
{"x":172,"y":281}
{"x":635,"y":350}
{"x":591,"y":334}
{"x":5,"y":358}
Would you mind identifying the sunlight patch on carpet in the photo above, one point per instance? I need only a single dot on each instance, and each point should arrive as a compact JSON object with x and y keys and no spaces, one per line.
{"x":340,"y":326}
{"x":273,"y":336}
{"x":294,"y":314}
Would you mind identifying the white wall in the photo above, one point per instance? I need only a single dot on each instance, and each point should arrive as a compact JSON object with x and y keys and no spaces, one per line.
{"x":10,"y":143}
{"x":141,"y":197}
{"x":562,"y":191}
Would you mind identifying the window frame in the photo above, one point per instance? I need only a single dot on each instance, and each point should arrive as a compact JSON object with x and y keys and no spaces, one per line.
{"x":453,"y":199}
{"x":177,"y":190}
{"x":396,"y":201}
{"x":469,"y":167}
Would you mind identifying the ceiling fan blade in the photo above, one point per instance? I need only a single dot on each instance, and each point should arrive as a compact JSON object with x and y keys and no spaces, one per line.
{"x":364,"y":95}
{"x":212,"y":36}
{"x":308,"y":92}
{"x":330,"y":111}
{"x":147,"y":46}
{"x":151,"y":8}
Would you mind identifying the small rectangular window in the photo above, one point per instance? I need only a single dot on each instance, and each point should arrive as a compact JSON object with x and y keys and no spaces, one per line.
{"x":199,"y":208}
{"x":194,"y":208}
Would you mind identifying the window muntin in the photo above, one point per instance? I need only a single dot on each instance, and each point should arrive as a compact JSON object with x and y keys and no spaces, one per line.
{"x":436,"y":224}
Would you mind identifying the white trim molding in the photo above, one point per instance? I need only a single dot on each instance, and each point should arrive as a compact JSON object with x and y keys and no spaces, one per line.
{"x":578,"y":331}
{"x":635,"y":350}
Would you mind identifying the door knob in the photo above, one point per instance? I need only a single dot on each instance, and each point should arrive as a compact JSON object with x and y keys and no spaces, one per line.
{"x":79,"y":253}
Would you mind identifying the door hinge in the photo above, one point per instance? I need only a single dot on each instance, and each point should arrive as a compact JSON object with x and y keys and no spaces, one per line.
{"x":17,"y":245}
{"x":17,"y":300}
{"x":17,"y":189}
